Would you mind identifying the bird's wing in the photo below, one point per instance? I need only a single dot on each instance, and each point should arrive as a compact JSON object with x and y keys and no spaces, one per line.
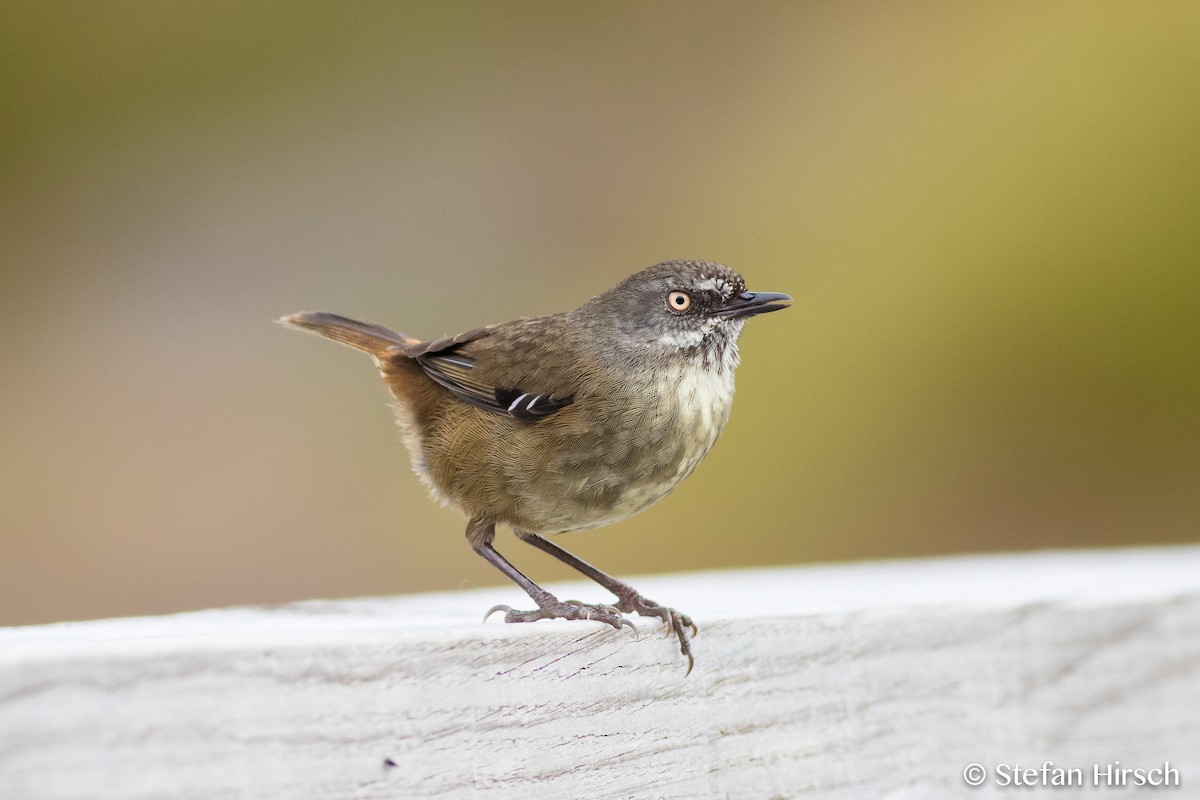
{"x":493,"y":370}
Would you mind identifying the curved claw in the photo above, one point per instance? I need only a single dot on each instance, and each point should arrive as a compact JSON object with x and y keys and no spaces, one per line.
{"x":501,"y":607}
{"x":631,"y":627}
{"x":674,"y":623}
{"x":679,"y":625}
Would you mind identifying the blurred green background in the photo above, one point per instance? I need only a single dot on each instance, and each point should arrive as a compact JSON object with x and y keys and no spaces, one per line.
{"x":989,"y":214}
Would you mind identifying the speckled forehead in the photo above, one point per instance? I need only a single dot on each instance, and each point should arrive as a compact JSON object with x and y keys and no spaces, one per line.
{"x":727,"y":285}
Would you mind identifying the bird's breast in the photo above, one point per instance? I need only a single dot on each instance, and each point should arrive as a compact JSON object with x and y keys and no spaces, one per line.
{"x":646,"y":448}
{"x":700,"y":399}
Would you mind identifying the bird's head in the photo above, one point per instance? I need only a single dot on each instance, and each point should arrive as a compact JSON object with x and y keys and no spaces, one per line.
{"x":691,"y":306}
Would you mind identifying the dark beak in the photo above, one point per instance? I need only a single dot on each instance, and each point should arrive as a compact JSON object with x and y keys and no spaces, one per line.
{"x":751,"y":304}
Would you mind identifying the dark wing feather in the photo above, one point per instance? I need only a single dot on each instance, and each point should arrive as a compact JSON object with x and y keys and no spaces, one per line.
{"x":448,"y":363}
{"x":529,"y":406}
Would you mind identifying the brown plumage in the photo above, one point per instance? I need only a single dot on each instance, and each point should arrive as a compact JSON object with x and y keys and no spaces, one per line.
{"x":569,"y":421}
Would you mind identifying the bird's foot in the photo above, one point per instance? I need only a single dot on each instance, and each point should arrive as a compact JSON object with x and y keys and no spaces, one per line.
{"x":564,"y":609}
{"x":676,"y":623}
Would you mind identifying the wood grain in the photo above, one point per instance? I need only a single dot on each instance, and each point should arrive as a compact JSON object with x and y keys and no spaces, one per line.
{"x":856,"y":681}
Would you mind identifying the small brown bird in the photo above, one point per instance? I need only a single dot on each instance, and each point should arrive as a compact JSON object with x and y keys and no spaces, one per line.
{"x":569,"y":421}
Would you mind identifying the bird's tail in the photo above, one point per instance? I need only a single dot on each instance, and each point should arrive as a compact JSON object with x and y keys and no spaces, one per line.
{"x":366,"y":336}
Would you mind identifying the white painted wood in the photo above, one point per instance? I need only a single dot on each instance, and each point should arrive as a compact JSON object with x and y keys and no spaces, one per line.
{"x":875,"y":680}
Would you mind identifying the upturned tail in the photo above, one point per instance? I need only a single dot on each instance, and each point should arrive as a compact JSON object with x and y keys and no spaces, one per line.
{"x":366,"y":336}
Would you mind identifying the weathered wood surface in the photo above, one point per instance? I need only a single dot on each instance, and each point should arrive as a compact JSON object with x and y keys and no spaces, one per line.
{"x":875,"y":680}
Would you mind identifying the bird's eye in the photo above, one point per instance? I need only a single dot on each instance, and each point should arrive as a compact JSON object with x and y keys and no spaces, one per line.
{"x":679,"y":301}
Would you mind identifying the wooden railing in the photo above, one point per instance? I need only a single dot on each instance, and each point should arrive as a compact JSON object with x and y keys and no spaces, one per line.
{"x":872,"y":680}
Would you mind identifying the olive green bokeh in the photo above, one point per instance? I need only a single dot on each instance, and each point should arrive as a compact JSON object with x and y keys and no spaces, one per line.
{"x":987,"y":213}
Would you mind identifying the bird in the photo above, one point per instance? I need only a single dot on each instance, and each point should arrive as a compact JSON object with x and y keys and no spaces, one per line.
{"x":569,"y":421}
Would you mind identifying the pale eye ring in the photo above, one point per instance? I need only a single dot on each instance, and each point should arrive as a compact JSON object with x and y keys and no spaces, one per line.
{"x":678,"y":301}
